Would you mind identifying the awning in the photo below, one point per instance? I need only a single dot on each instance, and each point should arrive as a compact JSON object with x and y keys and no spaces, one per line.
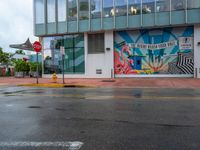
{"x":25,"y":46}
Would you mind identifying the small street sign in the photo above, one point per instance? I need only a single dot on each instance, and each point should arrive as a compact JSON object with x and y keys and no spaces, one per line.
{"x":37,"y":46}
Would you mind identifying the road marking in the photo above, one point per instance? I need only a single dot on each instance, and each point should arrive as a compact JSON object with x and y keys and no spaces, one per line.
{"x":69,"y":145}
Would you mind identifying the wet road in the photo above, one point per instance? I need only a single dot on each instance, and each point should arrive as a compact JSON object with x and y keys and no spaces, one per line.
{"x":101,"y":119}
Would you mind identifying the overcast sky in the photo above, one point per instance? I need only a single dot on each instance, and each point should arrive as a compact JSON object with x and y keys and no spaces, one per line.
{"x":16,"y":23}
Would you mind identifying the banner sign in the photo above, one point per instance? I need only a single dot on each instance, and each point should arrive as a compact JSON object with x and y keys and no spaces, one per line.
{"x":186,"y":43}
{"x":164,"y":45}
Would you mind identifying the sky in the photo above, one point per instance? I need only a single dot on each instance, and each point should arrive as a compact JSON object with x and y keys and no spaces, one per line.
{"x":16,"y":23}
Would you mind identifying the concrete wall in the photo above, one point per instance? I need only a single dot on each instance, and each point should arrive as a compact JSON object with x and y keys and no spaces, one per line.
{"x":102,"y":61}
{"x":197,"y":51}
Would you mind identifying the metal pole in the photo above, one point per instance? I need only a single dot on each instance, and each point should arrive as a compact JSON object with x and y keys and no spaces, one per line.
{"x":63,"y":72}
{"x":37,"y":69}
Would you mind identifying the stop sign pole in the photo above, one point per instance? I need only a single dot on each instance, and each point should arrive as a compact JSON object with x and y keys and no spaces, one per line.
{"x":37,"y":48}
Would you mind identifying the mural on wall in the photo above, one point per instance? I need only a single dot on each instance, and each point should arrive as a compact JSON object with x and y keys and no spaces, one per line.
{"x":155,"y":51}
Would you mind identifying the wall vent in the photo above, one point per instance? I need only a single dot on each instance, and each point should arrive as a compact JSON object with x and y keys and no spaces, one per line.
{"x":99,"y":71}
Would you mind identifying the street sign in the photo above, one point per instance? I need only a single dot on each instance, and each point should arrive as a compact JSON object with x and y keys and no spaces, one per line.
{"x":62,"y":50}
{"x":37,"y":46}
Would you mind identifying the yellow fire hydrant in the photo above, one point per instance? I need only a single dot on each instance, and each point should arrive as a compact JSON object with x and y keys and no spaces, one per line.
{"x":54,"y":78}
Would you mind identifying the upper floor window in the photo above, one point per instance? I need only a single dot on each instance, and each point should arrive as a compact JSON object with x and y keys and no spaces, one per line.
{"x":148,"y":6}
{"x":51,"y":11}
{"x":134,"y":7}
{"x":108,"y":10}
{"x":72,"y":10}
{"x":121,"y":7}
{"x":61,"y":10}
{"x":178,"y":4}
{"x":193,"y":4}
{"x":162,"y":5}
{"x":39,"y":11}
{"x":96,"y":8}
{"x":83,"y":9}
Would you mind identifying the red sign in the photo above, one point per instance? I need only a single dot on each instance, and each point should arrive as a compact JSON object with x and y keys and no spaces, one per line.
{"x":37,"y":46}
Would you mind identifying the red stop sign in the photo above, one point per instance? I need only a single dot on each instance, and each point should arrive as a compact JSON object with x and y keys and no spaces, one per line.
{"x":37,"y":46}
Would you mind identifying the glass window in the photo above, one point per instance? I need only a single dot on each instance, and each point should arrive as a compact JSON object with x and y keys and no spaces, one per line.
{"x":108,"y":10}
{"x":193,"y":4}
{"x":51,"y":11}
{"x":61,"y":10}
{"x":148,"y":6}
{"x":121,"y":7}
{"x":96,"y":8}
{"x":96,"y":43}
{"x":52,"y":56}
{"x":39,"y":11}
{"x":162,"y":5}
{"x":83,"y":9}
{"x":178,"y":5}
{"x":134,"y":7}
{"x":72,"y":10}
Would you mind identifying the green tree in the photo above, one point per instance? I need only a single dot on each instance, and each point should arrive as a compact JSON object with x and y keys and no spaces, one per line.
{"x":20,"y":52}
{"x":5,"y":58}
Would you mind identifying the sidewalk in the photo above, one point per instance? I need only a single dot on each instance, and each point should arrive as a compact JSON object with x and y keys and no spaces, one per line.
{"x":119,"y":82}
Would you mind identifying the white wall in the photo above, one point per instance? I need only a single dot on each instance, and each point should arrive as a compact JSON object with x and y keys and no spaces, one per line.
{"x":104,"y":61}
{"x":196,"y":51}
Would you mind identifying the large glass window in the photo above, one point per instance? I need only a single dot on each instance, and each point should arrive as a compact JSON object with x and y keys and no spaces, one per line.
{"x":72,"y":10}
{"x":83,"y":9}
{"x":51,"y":11}
{"x":148,"y":6}
{"x":52,"y":56}
{"x":61,"y":10}
{"x":162,"y":5}
{"x":96,"y":8}
{"x":108,"y":10}
{"x":74,"y":54}
{"x":134,"y":7}
{"x":193,"y":4}
{"x":121,"y":7}
{"x":178,"y":4}
{"x":39,"y":11}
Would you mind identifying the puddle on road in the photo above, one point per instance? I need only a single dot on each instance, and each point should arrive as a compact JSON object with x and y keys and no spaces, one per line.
{"x":35,"y":107}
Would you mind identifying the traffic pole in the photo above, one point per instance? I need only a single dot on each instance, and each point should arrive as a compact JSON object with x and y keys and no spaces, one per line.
{"x":37,"y":69}
{"x":63,"y":72}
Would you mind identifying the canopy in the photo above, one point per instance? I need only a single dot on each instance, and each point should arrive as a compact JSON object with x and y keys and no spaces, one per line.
{"x":25,"y":46}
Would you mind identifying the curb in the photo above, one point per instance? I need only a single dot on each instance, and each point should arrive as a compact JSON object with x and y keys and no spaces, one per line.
{"x":57,"y":85}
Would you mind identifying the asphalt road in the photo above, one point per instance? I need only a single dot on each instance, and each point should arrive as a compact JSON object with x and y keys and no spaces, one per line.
{"x":100,"y":119}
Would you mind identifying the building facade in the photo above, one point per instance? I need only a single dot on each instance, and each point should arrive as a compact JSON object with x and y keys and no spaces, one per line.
{"x":119,"y":38}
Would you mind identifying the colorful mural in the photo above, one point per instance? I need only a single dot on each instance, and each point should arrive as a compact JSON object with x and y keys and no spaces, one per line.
{"x":154,"y":51}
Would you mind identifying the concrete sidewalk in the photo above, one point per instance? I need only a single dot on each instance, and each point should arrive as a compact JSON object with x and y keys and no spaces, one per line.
{"x":119,"y":82}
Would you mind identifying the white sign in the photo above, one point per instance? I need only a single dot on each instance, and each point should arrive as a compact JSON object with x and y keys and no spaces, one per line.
{"x":62,"y":50}
{"x":185,"y":43}
{"x":164,"y":45}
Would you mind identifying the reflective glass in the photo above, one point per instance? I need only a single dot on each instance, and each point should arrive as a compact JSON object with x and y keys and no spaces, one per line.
{"x":148,"y":6}
{"x":134,"y":7}
{"x":83,"y":9}
{"x":121,"y":7}
{"x":162,"y":5}
{"x":96,"y":8}
{"x":51,"y":11}
{"x":193,"y":4}
{"x":72,"y":10}
{"x":52,"y":56}
{"x":61,"y":10}
{"x":74,"y":54}
{"x":178,"y":4}
{"x":39,"y":11}
{"x":108,"y":10}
